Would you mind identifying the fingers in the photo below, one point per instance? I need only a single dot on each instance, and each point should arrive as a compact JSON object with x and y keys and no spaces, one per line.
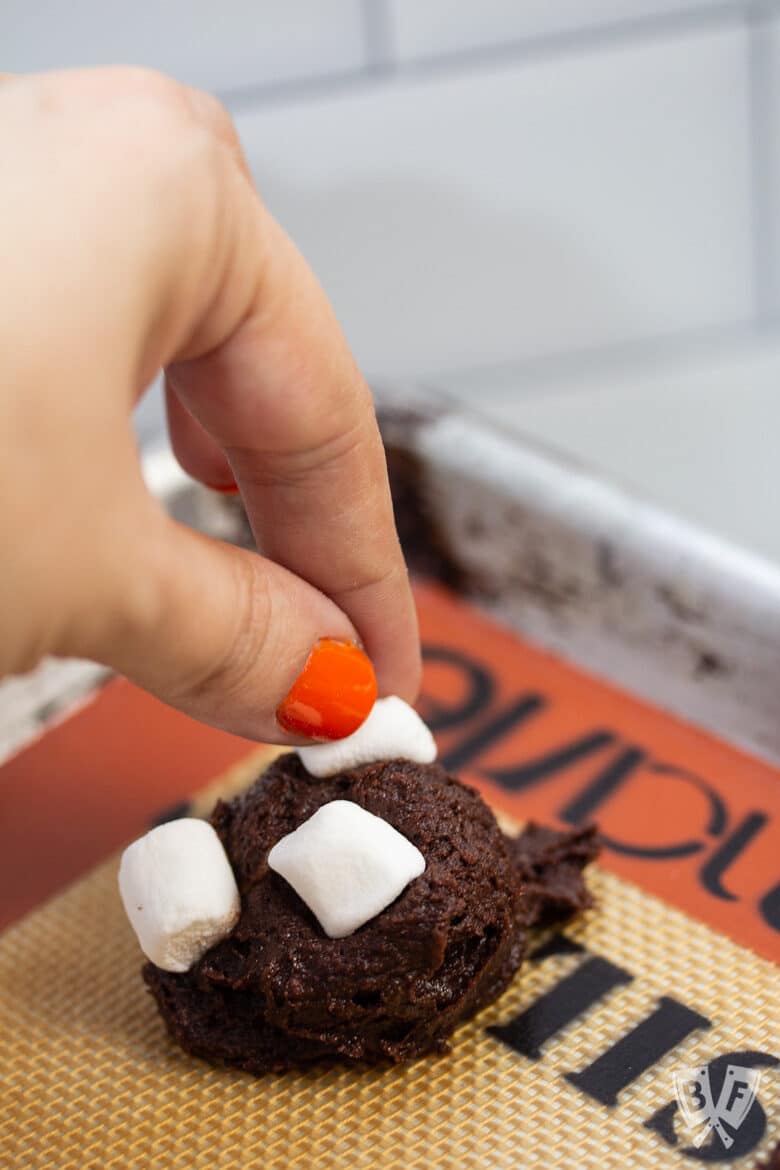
{"x":285,"y":401}
{"x":227,"y":636}
{"x":281,"y":396}
{"x":194,"y":448}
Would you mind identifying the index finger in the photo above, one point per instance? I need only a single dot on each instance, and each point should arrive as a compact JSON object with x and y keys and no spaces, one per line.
{"x":284,"y":400}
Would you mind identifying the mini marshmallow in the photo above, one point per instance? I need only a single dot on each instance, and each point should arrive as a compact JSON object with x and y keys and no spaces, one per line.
{"x":179,"y":892}
{"x":346,"y":864}
{"x":392,"y":731}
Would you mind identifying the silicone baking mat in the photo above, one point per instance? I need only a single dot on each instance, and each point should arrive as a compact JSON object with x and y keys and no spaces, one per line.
{"x":669,"y":986}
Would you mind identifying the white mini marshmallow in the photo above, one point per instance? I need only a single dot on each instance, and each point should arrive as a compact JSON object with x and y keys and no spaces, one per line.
{"x":179,"y":892}
{"x":346,"y":864}
{"x":392,"y":731}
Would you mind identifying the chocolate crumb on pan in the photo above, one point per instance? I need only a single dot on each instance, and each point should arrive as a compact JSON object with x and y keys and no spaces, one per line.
{"x":279,"y":993}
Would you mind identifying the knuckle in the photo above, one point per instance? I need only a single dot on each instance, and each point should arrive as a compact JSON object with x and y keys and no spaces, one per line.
{"x":144,"y":117}
{"x":154,"y":97}
{"x":159,"y":122}
{"x":210,"y":111}
{"x":375,"y":577}
{"x":162,"y":114}
{"x":311,"y":456}
{"x":150,"y":84}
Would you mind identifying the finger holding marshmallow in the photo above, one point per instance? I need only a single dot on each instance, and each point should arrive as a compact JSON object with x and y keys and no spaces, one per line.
{"x":179,"y":892}
{"x":392,"y":731}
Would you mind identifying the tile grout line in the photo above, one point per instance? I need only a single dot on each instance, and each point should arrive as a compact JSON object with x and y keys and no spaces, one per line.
{"x":378,"y":39}
{"x":581,"y":37}
{"x":377,"y":36}
{"x":762,"y":149}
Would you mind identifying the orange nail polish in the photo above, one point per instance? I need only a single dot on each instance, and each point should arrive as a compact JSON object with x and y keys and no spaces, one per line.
{"x":332,"y":695}
{"x":227,"y":489}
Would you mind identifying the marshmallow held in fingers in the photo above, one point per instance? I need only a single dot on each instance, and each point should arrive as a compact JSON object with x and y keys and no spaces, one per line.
{"x":179,"y":892}
{"x":392,"y":731}
{"x":346,"y":864}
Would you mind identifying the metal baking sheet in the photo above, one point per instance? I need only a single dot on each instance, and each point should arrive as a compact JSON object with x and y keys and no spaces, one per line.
{"x":584,"y":568}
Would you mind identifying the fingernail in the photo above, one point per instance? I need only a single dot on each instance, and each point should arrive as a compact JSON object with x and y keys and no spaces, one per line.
{"x":332,"y":695}
{"x":227,"y":489}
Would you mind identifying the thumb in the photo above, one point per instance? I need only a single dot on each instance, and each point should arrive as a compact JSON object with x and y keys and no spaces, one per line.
{"x":231,"y":634}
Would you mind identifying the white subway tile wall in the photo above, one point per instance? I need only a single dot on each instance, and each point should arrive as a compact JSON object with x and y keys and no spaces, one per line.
{"x":495,"y":215}
{"x":425,"y":29}
{"x":482,"y":214}
{"x":219,"y":45}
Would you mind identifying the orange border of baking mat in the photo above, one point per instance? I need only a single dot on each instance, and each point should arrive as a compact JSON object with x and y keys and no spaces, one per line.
{"x":93,"y":782}
{"x":687,"y":817}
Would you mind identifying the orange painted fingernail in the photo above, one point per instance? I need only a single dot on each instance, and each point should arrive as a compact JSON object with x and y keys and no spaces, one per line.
{"x":332,"y":695}
{"x":227,"y":489}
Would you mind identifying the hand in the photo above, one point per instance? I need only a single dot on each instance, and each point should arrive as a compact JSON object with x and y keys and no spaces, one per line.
{"x":132,"y":239}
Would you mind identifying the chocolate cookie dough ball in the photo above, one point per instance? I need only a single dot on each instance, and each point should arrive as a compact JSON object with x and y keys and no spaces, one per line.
{"x":278,"y":992}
